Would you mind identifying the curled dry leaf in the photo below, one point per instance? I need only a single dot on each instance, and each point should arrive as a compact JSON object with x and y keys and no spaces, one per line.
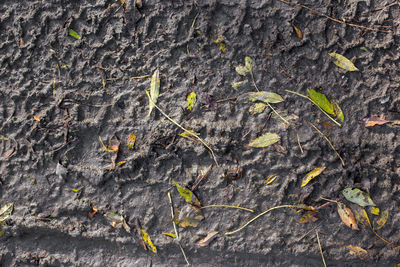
{"x":343,"y":62}
{"x":347,"y":216}
{"x":207,"y":240}
{"x":265,"y":140}
{"x":360,"y":252}
{"x":374,"y":120}
{"x":311,"y":175}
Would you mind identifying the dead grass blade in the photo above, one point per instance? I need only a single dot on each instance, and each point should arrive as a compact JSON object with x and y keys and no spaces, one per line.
{"x":320,"y":249}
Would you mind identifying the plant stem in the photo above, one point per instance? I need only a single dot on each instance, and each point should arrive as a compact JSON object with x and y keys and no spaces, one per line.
{"x":227,"y":206}
{"x":320,"y":249}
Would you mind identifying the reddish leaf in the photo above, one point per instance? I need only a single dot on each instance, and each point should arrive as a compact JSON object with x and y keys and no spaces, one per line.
{"x":374,"y":120}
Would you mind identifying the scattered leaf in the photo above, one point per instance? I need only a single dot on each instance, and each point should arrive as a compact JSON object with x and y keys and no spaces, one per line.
{"x":147,"y":240}
{"x":241,"y":70}
{"x":219,"y":41}
{"x":338,"y":111}
{"x":207,"y":240}
{"x":131,"y":140}
{"x":188,"y":215}
{"x":36,"y":118}
{"x":347,"y":216}
{"x":103,"y":82}
{"x":235,"y":85}
{"x":357,"y":196}
{"x":8,"y":153}
{"x":343,"y":62}
{"x":6,"y":211}
{"x":364,"y":215}
{"x":63,"y":66}
{"x":311,"y":175}
{"x":257,"y":108}
{"x":382,"y":220}
{"x":265,"y":96}
{"x":375,"y":211}
{"x":308,"y":217}
{"x":374,"y":120}
{"x":271,"y":179}
{"x":360,"y":252}
{"x":21,"y":42}
{"x":298,"y":32}
{"x":114,"y":144}
{"x":184,"y":192}
{"x":169,"y":234}
{"x":77,"y":189}
{"x":265,"y":140}
{"x":93,"y":212}
{"x":74,"y":34}
{"x":154,"y":90}
{"x":321,"y":101}
{"x":248,"y":63}
{"x":191,"y":100}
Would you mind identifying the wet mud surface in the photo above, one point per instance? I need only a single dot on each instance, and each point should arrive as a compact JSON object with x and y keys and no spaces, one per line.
{"x":50,"y":225}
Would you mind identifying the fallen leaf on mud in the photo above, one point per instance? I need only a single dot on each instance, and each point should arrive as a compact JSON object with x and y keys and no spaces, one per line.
{"x":154,"y":90}
{"x":36,"y":118}
{"x":21,"y":42}
{"x":271,"y":179}
{"x":6,"y":211}
{"x":364,"y":215}
{"x":131,"y":141}
{"x":228,"y":192}
{"x":93,"y":212}
{"x":321,"y":101}
{"x":114,"y":144}
{"x":207,"y":240}
{"x":147,"y":240}
{"x":374,"y":120}
{"x":74,"y":34}
{"x":347,"y":216}
{"x":382,"y":220}
{"x":77,"y":189}
{"x":338,"y":111}
{"x":191,"y":100}
{"x":188,"y":215}
{"x":265,"y":96}
{"x":308,"y":217}
{"x":219,"y":41}
{"x":257,"y":108}
{"x":265,"y":140}
{"x":343,"y":62}
{"x":360,"y":252}
{"x":298,"y":32}
{"x":375,"y":211}
{"x":235,"y":85}
{"x":248,"y":63}
{"x":357,"y":196}
{"x":169,"y":234}
{"x":184,"y":192}
{"x":311,"y":175}
{"x":114,"y":218}
{"x":243,"y":70}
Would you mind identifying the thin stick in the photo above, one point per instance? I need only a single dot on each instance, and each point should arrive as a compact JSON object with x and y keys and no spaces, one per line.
{"x":392,"y":4}
{"x":187,"y":131}
{"x":320,"y":249}
{"x":140,"y":77}
{"x":226,"y":206}
{"x":298,"y":141}
{"x":329,"y":142}
{"x":176,"y":231}
{"x":258,"y":216}
{"x":306,"y":97}
{"x":328,"y":17}
{"x":330,"y":200}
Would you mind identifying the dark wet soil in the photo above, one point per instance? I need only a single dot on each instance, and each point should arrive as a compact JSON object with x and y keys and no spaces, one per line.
{"x":82,"y":89}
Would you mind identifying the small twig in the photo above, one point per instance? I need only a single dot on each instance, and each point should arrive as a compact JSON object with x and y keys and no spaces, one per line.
{"x":258,"y":216}
{"x":176,"y":231}
{"x":330,"y":200}
{"x":227,"y":206}
{"x":306,"y":97}
{"x":298,"y":141}
{"x":320,"y":249}
{"x":392,"y":4}
{"x":140,"y":77}
{"x":329,"y":142}
{"x":226,"y":99}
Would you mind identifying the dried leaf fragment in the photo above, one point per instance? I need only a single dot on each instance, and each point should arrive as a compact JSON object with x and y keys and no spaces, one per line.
{"x":308,"y":217}
{"x":382,"y":220}
{"x":265,"y":140}
{"x":131,"y":140}
{"x":147,"y":240}
{"x":374,"y":120}
{"x":207,"y":240}
{"x":74,"y":34}
{"x":257,"y":108}
{"x":6,"y":211}
{"x":347,"y":216}
{"x":154,"y":90}
{"x":235,"y":85}
{"x":360,"y":252}
{"x":357,"y":196}
{"x":248,"y":67}
{"x":375,"y":211}
{"x":298,"y":31}
{"x":265,"y":96}
{"x":36,"y":118}
{"x":188,"y":215}
{"x":311,"y":175}
{"x":343,"y":62}
{"x":190,"y":100}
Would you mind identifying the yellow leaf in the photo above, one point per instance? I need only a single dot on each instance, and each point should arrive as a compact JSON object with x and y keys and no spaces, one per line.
{"x":265,"y":140}
{"x":248,"y":63}
{"x":131,"y":140}
{"x":358,"y":251}
{"x":271,"y":179}
{"x":298,"y":32}
{"x":147,"y":240}
{"x":257,"y":108}
{"x":191,"y":100}
{"x":375,"y":211}
{"x":235,"y":85}
{"x":382,"y":221}
{"x":343,"y":62}
{"x":222,"y":47}
{"x":241,"y":70}
{"x":169,"y":234}
{"x":76,"y":190}
{"x":36,"y":118}
{"x":311,"y":175}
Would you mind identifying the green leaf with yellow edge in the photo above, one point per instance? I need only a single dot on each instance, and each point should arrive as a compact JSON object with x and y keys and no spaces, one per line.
{"x":147,"y":240}
{"x":265,"y":140}
{"x":321,"y":101}
{"x":257,"y":108}
{"x":169,"y":234}
{"x":357,"y":196}
{"x":191,"y":100}
{"x":184,"y":192}
{"x":6,"y":211}
{"x":265,"y":96}
{"x":74,"y":34}
{"x":382,"y":220}
{"x":343,"y":62}
{"x":188,"y":215}
{"x":311,"y":175}
{"x":154,"y":90}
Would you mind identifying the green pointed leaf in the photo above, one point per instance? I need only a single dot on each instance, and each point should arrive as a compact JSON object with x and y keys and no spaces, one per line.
{"x":154,"y":90}
{"x":321,"y":101}
{"x":311,"y":175}
{"x":265,"y":96}
{"x":343,"y":62}
{"x":184,"y":192}
{"x":74,"y":34}
{"x":248,"y":63}
{"x":265,"y":140}
{"x":357,"y":196}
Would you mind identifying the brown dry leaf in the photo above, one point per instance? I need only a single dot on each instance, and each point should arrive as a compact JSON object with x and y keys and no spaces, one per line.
{"x":325,"y":124}
{"x":207,"y":240}
{"x":126,"y":226}
{"x":21,"y":42}
{"x":347,"y":216}
{"x":374,"y":120}
{"x":298,"y":31}
{"x":360,"y":252}
{"x":36,"y":118}
{"x":93,"y":212}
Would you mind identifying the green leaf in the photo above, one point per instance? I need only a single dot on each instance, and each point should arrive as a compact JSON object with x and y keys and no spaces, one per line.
{"x":184,"y":192}
{"x":248,"y":63}
{"x":191,"y":100}
{"x":357,"y":196}
{"x":343,"y":62}
{"x":338,"y":112}
{"x":311,"y":175}
{"x":74,"y":34}
{"x":257,"y":108}
{"x":321,"y":101}
{"x":188,"y":215}
{"x":265,"y":140}
{"x":6,"y":211}
{"x":265,"y":96}
{"x":154,"y":90}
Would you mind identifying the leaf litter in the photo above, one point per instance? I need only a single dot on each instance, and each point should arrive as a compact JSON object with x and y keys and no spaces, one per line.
{"x":343,"y":62}
{"x":265,"y":140}
{"x":311,"y":175}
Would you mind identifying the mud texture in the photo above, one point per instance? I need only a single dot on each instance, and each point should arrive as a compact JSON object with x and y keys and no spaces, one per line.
{"x":45,"y":72}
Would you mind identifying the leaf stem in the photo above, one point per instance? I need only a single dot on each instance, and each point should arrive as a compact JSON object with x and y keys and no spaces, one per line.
{"x":227,"y":206}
